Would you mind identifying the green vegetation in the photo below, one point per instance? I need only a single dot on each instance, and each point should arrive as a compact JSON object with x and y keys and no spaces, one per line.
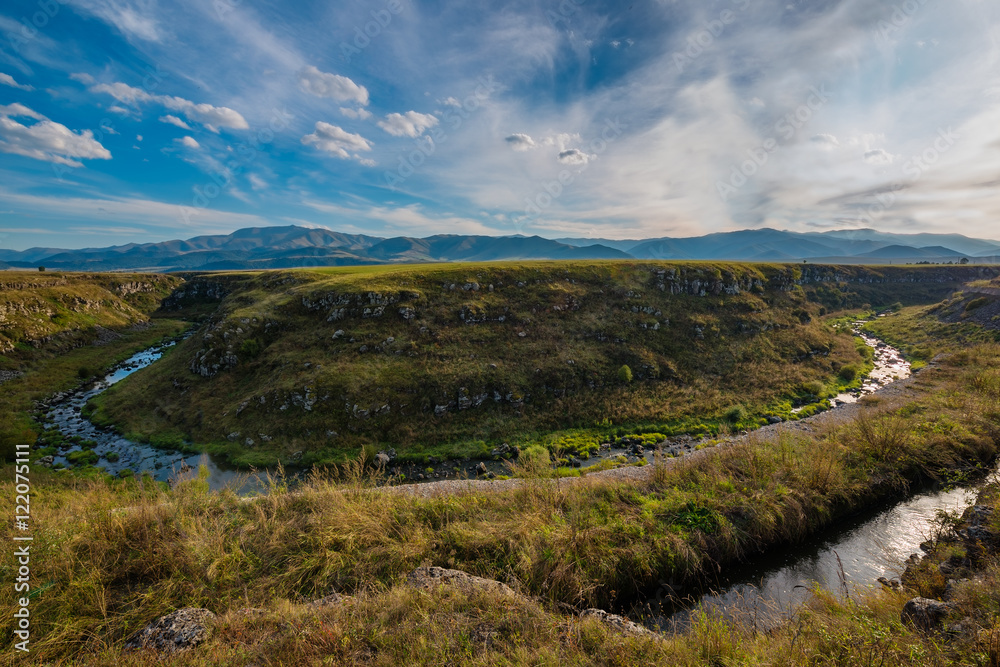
{"x":595,"y":542}
{"x":311,"y":366}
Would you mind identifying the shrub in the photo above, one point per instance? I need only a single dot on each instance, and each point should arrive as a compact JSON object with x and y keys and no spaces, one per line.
{"x":625,"y":374}
{"x":250,"y":348}
{"x":848,"y":373}
{"x":976,"y":303}
{"x":83,"y":372}
{"x":736,"y":414}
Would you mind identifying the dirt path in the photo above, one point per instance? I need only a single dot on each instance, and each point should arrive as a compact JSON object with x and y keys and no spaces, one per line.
{"x":889,"y":394}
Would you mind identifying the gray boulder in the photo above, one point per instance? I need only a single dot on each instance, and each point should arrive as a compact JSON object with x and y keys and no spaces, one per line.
{"x":177,"y":631}
{"x":427,"y":578}
{"x":924,"y":613}
{"x":618,"y":623}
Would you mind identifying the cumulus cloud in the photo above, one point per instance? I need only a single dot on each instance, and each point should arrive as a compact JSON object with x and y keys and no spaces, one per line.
{"x":174,"y":120}
{"x":520,"y":142}
{"x":335,"y":86}
{"x":211,"y":116}
{"x":409,"y":124}
{"x":83,"y":78}
{"x":336,"y":141}
{"x":8,"y":80}
{"x":45,"y":139}
{"x":574,"y":156}
{"x":189,"y":142}
{"x":357,"y":114}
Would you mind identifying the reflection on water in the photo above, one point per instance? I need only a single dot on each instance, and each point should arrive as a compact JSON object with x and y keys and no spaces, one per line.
{"x":118,"y":453}
{"x":871,"y":546}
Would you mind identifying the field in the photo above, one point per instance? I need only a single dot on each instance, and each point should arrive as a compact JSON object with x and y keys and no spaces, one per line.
{"x":308,"y":367}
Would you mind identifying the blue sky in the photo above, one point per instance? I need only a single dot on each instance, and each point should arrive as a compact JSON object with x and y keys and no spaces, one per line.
{"x":143,"y":120}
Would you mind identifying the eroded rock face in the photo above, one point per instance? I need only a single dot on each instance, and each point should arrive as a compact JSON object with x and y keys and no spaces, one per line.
{"x":925,"y":613}
{"x":177,"y":631}
{"x":430,"y":577}
{"x":618,"y":623}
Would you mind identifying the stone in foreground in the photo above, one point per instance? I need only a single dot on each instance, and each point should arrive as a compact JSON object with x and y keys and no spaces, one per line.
{"x":177,"y":631}
{"x":619,"y":623}
{"x":429,"y":577}
{"x":925,"y":613}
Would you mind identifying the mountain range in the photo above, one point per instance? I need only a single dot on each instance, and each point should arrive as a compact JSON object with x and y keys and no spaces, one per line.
{"x":293,"y":246}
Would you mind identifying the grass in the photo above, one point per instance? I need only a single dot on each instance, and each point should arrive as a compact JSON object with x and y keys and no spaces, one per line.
{"x":590,"y":543}
{"x":443,"y":367}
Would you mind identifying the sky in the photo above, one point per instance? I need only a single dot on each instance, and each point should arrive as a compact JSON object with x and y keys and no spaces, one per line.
{"x":145,"y":120}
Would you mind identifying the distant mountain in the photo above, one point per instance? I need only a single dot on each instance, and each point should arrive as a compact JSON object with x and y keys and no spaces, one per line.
{"x":909,"y":252}
{"x":293,"y":246}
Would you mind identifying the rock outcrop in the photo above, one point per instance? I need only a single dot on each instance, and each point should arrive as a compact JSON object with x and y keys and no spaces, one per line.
{"x":177,"y":631}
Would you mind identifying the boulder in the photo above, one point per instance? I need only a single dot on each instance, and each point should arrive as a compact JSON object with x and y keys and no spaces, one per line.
{"x":481,"y":468}
{"x":177,"y":631}
{"x":924,"y":613}
{"x":618,"y":623}
{"x":381,"y":459}
{"x":427,"y":578}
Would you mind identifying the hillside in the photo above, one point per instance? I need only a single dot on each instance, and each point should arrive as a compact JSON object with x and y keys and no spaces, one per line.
{"x":309,"y":366}
{"x":35,"y":307}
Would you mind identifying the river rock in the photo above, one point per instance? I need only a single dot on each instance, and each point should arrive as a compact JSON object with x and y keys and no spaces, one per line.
{"x":618,"y":623}
{"x":924,"y":613}
{"x":427,"y":578}
{"x":177,"y":631}
{"x":382,"y":459}
{"x":481,"y":468}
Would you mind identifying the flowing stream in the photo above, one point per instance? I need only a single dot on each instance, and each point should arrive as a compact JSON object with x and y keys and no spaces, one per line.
{"x":853,"y":554}
{"x":117,"y":453}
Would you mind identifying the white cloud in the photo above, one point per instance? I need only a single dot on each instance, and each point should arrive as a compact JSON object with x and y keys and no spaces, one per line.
{"x":138,"y":137}
{"x":8,"y":80}
{"x":336,"y":141}
{"x":257,"y":183}
{"x":357,"y":114}
{"x":174,"y":120}
{"x":452,"y":102}
{"x":574,"y":156}
{"x":520,"y":141}
{"x":211,"y":116}
{"x":827,"y":140}
{"x":46,"y":140}
{"x":132,"y":20}
{"x":323,"y":84}
{"x":189,"y":142}
{"x":83,"y":78}
{"x":409,"y":124}
{"x":879,"y":156}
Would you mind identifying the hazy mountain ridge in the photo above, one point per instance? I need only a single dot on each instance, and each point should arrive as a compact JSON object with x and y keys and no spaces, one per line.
{"x":293,"y":246}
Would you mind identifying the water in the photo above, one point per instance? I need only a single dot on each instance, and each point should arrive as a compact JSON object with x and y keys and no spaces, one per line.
{"x":771,"y":588}
{"x":170,"y":466}
{"x":163,"y":465}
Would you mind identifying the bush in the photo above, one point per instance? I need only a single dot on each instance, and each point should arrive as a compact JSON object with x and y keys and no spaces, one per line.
{"x":83,"y":373}
{"x":736,"y":414}
{"x":250,"y":348}
{"x":625,"y":374}
{"x":849,"y":373}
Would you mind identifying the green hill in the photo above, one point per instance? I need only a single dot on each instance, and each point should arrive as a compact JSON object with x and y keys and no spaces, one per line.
{"x":310,"y":366}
